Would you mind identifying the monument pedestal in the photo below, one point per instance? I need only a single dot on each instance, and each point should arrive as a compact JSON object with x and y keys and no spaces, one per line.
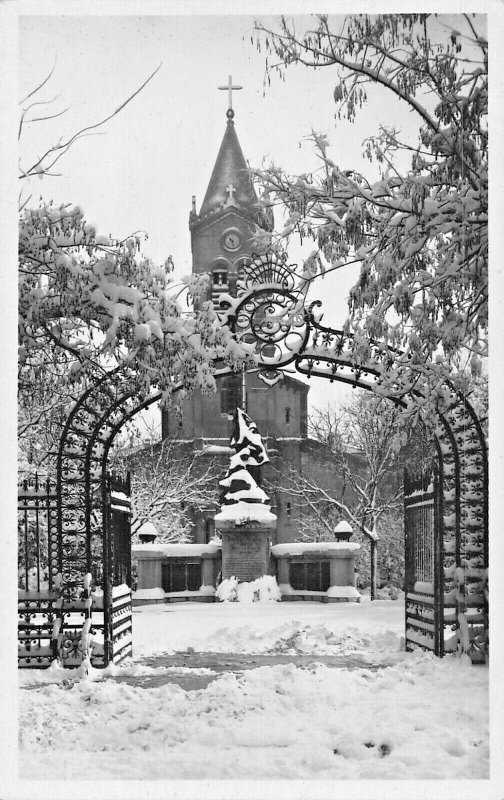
{"x":246,"y":550}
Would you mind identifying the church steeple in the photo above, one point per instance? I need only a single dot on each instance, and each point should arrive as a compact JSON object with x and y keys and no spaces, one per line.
{"x":222,"y":233}
{"x":230,"y":183}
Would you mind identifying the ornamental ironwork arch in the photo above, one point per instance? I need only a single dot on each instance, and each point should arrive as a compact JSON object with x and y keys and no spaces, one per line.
{"x":270,"y":313}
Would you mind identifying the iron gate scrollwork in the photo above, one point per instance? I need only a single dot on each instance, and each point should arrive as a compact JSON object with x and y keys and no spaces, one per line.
{"x":94,"y":513}
{"x":290,"y":334}
{"x":117,"y":568}
{"x":92,"y":621}
{"x":270,"y":315}
{"x":38,"y":584}
{"x":424,"y":624}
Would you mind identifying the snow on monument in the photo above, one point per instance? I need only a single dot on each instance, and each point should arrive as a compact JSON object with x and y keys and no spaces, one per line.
{"x":242,"y":500}
{"x":245,"y":519}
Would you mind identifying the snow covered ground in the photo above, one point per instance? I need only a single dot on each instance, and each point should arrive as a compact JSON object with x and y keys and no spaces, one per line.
{"x":411,"y":717}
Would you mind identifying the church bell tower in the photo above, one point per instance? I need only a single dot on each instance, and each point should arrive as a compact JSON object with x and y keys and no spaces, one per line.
{"x":222,"y":232}
{"x":222,"y":244}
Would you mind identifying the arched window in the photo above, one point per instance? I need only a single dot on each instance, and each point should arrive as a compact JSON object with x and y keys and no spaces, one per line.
{"x":209,"y":529}
{"x":220,"y":283}
{"x":219,"y":278}
{"x":230,"y":388}
{"x":287,"y":415}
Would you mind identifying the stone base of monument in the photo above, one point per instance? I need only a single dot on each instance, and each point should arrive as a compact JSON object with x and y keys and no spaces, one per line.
{"x":246,"y":551}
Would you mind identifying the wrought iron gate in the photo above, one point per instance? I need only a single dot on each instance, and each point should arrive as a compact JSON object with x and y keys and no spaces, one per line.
{"x":117,"y":568}
{"x":446,"y":597}
{"x":96,"y":622}
{"x":38,"y":593}
{"x":446,"y":607}
{"x":423,"y":563}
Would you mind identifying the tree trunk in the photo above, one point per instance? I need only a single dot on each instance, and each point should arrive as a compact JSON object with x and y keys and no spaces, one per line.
{"x":374,"y":568}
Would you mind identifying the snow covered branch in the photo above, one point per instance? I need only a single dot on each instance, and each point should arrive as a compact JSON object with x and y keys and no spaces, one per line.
{"x":420,"y":235}
{"x":168,"y":485}
{"x":89,"y":304}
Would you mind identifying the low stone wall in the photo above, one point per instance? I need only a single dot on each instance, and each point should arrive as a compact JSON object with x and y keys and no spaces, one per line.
{"x":247,"y":555}
{"x":153,"y":559}
{"x":335,"y":584}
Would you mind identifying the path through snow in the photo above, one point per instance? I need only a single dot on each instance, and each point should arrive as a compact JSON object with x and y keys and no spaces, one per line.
{"x":416,"y":717}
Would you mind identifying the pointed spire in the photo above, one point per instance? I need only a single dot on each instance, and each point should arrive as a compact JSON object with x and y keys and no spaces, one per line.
{"x":230,"y":183}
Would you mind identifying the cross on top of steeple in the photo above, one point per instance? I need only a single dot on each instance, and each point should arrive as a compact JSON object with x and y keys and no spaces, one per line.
{"x":230,"y":88}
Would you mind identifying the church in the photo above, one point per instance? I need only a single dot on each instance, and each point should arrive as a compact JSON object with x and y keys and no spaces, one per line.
{"x":222,"y":244}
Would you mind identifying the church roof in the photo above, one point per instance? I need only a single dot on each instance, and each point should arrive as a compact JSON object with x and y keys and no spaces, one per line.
{"x":230,"y":185}
{"x":230,"y":170}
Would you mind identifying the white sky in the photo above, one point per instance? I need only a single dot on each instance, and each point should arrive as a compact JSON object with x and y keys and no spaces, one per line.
{"x":147,"y":163}
{"x":142,"y":169}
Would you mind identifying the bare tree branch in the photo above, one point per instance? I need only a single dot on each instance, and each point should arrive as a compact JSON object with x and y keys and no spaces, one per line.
{"x":64,"y":145}
{"x":43,"y":83}
{"x":169,"y":484}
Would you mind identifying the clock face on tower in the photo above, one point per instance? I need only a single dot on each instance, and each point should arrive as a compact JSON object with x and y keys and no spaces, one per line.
{"x":231,"y":239}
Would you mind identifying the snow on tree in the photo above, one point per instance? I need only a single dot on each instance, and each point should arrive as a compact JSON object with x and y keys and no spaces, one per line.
{"x":89,"y":303}
{"x":242,"y":500}
{"x":247,"y":441}
{"x":419,"y":234}
{"x":105,"y":305}
{"x":168,"y":484}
